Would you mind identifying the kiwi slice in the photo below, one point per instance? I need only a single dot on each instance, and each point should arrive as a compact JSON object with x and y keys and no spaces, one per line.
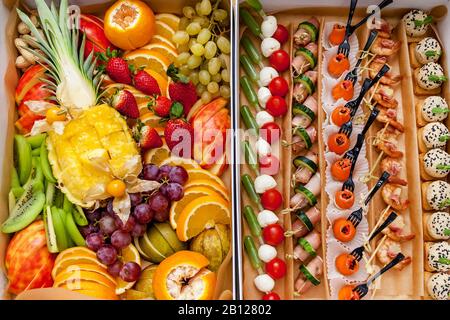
{"x":26,"y":210}
{"x":170,"y":236}
{"x":50,"y":230}
{"x":22,"y":157}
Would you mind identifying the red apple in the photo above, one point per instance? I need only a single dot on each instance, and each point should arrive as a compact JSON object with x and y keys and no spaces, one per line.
{"x":96,"y":40}
{"x":29,"y":264}
{"x":28,"y":80}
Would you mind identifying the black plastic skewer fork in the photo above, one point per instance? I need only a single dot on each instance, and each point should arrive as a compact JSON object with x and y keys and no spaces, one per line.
{"x":344,"y":47}
{"x":353,"y":75}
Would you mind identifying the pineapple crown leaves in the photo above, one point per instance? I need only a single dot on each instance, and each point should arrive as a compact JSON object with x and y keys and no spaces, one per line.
{"x":175,"y":75}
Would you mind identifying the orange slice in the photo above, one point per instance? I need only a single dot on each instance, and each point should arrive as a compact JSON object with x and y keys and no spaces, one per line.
{"x":190,"y":194}
{"x":151,"y":120}
{"x":208,"y":184}
{"x":202,"y":213}
{"x":73,"y":261}
{"x":164,"y":30}
{"x":188,"y":164}
{"x":164,"y":49}
{"x":75,"y":252}
{"x":160,"y":39}
{"x":151,"y":59}
{"x":201,"y":174}
{"x":71,"y":277}
{"x":170,"y":19}
{"x":158,"y":155}
{"x":128,"y":254}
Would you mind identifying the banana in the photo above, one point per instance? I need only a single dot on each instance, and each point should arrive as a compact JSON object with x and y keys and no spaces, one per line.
{"x":45,"y":164}
{"x":52,"y":244}
{"x":36,"y":140}
{"x":15,"y":182}
{"x":60,"y":231}
{"x":73,"y":231}
{"x":79,"y":217}
{"x":23,"y":157}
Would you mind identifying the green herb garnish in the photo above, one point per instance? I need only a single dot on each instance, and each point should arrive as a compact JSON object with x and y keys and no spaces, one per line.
{"x":440,"y":110}
{"x":427,"y":20}
{"x":443,"y":166}
{"x":447,"y":232}
{"x":444,"y":203}
{"x":435,"y":78}
{"x":444,"y":261}
{"x":445,"y":137}
{"x":432,"y":53}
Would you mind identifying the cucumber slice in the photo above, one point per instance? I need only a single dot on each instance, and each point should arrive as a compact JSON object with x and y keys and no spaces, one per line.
{"x":308,"y":194}
{"x":306,"y":81}
{"x":308,"y":275}
{"x":312,"y":30}
{"x":301,"y":132}
{"x":308,"y":224}
{"x":307,"y":247}
{"x":302,"y":161}
{"x":309,"y":56}
{"x":301,"y":109}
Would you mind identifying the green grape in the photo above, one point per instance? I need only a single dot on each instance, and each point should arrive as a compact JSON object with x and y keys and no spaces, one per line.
{"x":206,"y":97}
{"x":204,"y":77}
{"x":224,"y":60}
{"x":225,"y":75}
{"x":210,"y":49}
{"x":200,"y":89}
{"x":216,"y":78}
{"x":223,"y":44}
{"x":189,"y":12}
{"x":225,"y":91}
{"x":214,"y":66}
{"x":184,"y":69}
{"x":193,"y":28}
{"x":203,"y":21}
{"x":205,"y":8}
{"x":182,"y":58}
{"x":183,"y":48}
{"x":197,"y":49}
{"x":225,"y":23}
{"x":194,"y":62}
{"x":191,"y":42}
{"x":204,"y":36}
{"x":183,"y":23}
{"x":180,"y":37}
{"x":213,"y":87}
{"x":194,"y":77}
{"x":197,"y":8}
{"x":204,"y":65}
{"x":219,"y":14}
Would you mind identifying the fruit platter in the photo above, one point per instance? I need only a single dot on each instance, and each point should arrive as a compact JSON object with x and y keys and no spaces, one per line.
{"x":119,"y":179}
{"x":343,"y":173}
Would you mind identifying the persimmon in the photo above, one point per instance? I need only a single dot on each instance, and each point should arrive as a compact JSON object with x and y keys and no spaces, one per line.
{"x":344,"y":89}
{"x":340,"y":115}
{"x":344,"y":230}
{"x":338,"y":65}
{"x":346,"y":264}
{"x":337,"y":34}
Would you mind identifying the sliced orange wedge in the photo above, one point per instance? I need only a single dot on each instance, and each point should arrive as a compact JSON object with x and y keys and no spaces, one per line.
{"x":160,"y":39}
{"x":151,"y":59}
{"x":158,"y":155}
{"x":164,"y":49}
{"x":200,"y":214}
{"x":188,"y":164}
{"x":164,"y":30}
{"x":208,"y":184}
{"x":201,"y":174}
{"x":71,"y":278}
{"x":170,"y":19}
{"x":75,"y":252}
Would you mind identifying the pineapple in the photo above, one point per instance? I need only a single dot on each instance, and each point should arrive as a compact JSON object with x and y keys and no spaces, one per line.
{"x":95,"y":148}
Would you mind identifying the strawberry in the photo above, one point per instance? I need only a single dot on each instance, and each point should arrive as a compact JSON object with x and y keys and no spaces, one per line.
{"x":173,"y":138}
{"x":146,"y":83}
{"x":118,"y":70}
{"x":124,"y":102}
{"x":161,"y":106}
{"x":181,"y":89}
{"x":147,"y":137}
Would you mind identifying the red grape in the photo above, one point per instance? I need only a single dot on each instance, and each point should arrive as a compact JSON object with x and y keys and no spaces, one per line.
{"x":128,"y":226}
{"x":120,"y":239}
{"x":150,"y":172}
{"x":138,"y":230}
{"x":130,"y":272}
{"x":164,"y":172}
{"x":107,"y":225}
{"x":115,"y":268}
{"x":179,"y":175}
{"x":135,"y":199}
{"x":109,"y":207}
{"x":94,"y":241}
{"x":158,"y":202}
{"x":94,"y":216}
{"x":143,"y":213}
{"x":162,"y":216}
{"x":107,"y":254}
{"x":174,"y":191}
{"x":90,"y":228}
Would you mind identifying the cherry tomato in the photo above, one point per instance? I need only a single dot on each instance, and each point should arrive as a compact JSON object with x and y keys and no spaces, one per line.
{"x":271,"y":296}
{"x":338,"y":143}
{"x":340,"y":170}
{"x":280,"y":60}
{"x":344,"y":230}
{"x":340,"y":115}
{"x":337,"y":35}
{"x":346,"y":264}
{"x":343,"y":89}
{"x":281,"y":34}
{"x":276,"y":268}
{"x":271,"y":199}
{"x":270,"y":132}
{"x":347,"y":293}
{"x":344,"y":199}
{"x":273,"y":234}
{"x":276,"y":106}
{"x":279,"y":87}
{"x":269,"y":165}
{"x":338,"y":65}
